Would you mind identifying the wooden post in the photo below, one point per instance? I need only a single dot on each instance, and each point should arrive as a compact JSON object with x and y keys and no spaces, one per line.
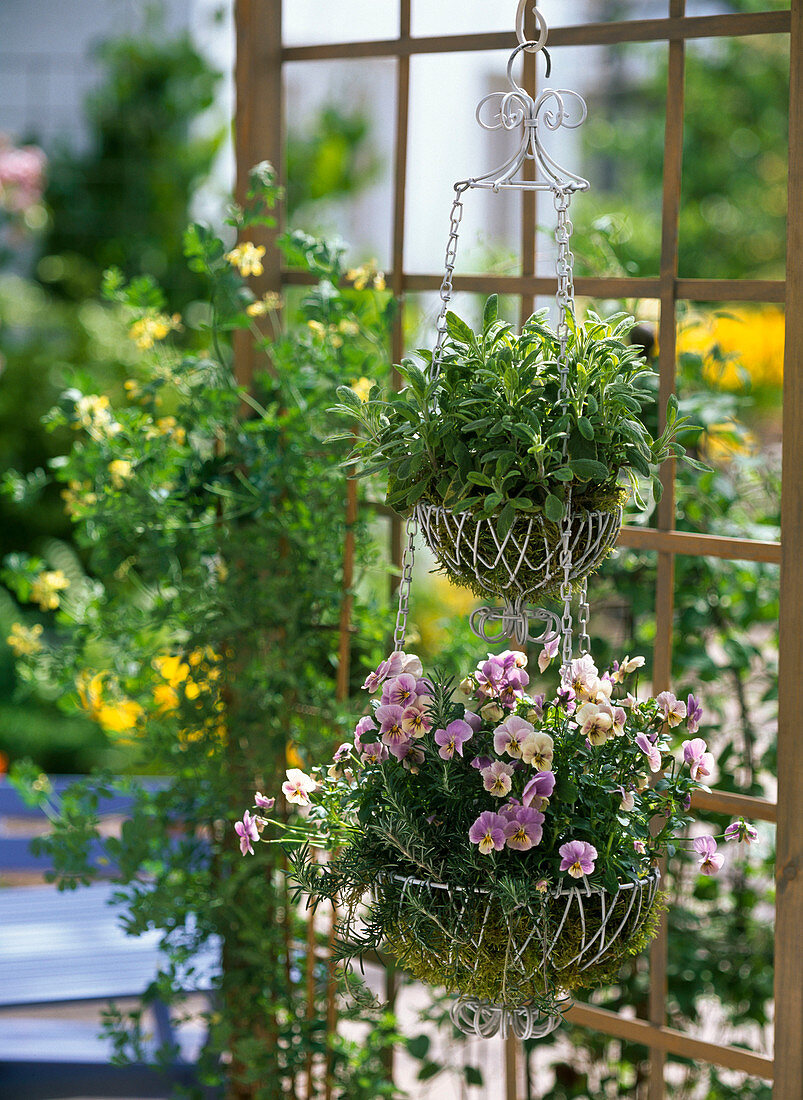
{"x":789,"y":860}
{"x":665,"y":581}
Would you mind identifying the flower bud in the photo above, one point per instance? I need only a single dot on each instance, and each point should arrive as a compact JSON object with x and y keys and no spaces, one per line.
{"x":492,"y":712}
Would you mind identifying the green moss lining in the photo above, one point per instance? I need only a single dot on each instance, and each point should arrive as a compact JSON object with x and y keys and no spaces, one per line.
{"x":472,"y":956}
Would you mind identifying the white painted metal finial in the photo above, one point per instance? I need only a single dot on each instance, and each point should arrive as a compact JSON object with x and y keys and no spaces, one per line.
{"x":521,"y":14}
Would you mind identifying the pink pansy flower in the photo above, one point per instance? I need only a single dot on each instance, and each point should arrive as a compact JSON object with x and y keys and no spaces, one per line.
{"x":540,"y":787}
{"x":701,"y":763}
{"x":400,"y":692}
{"x":374,"y":754}
{"x":710,"y":859}
{"x":513,"y":690}
{"x":263,"y":801}
{"x":491,"y":676}
{"x":596,"y":722}
{"x":488,"y":831}
{"x":363,"y":726}
{"x":694,"y":713}
{"x":390,"y":719}
{"x":619,"y":719}
{"x":415,"y":720}
{"x":583,"y":674}
{"x":537,"y":750}
{"x":452,"y":739}
{"x":481,"y":762}
{"x":548,"y":653}
{"x":342,"y":751}
{"x":623,"y":669}
{"x":652,"y":753}
{"x":577,"y":857}
{"x":524,"y":831}
{"x":375,"y":679}
{"x":742,"y":831}
{"x":601,"y":689}
{"x":566,"y":697}
{"x":298,"y":787}
{"x":513,"y":658}
{"x":411,"y":756}
{"x":247,"y":831}
{"x":510,"y":809}
{"x":473,"y":720}
{"x":640,"y":847}
{"x":509,"y":736}
{"x":673,"y":710}
{"x":496,"y":779}
{"x":410,"y":664}
{"x":423,"y":686}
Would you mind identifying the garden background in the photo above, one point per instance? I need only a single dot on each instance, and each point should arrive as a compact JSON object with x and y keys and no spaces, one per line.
{"x":153,"y":150}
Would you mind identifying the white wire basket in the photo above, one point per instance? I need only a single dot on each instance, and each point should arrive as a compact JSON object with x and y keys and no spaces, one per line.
{"x":528,"y":559}
{"x":514,"y":969}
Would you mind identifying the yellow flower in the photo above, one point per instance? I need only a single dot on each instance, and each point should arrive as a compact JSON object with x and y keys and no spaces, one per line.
{"x":379,"y":281}
{"x":247,"y":258}
{"x":90,"y":691}
{"x":362,"y":387}
{"x":92,"y":411}
{"x":121,"y":470}
{"x":154,"y":326}
{"x":751,"y":341}
{"x":119,"y":716}
{"x":168,"y":425}
{"x":172,"y":669}
{"x":366,"y":273}
{"x":132,"y":388}
{"x":349,"y":328}
{"x":76,"y":495}
{"x":316,"y":328}
{"x":166,"y":698}
{"x":46,"y":587}
{"x":24,"y":640}
{"x":268,"y":303}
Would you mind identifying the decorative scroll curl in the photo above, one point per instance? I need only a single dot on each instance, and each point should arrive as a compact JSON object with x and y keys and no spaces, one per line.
{"x":473,"y":1016}
{"x":513,"y":621}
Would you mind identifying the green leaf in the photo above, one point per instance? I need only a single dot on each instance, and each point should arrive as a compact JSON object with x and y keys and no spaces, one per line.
{"x":587,"y":469}
{"x":505,"y":521}
{"x":491,"y":312}
{"x":429,"y":1069}
{"x":459,"y":330}
{"x":563,"y":474}
{"x":586,"y":427}
{"x":418,"y":1047}
{"x":473,"y":1075}
{"x":553,"y":508}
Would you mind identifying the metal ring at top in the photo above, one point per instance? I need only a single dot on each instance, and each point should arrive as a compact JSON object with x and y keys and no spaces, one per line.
{"x":531,"y":47}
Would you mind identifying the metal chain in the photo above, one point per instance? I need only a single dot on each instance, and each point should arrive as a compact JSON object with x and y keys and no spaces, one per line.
{"x":585,"y":640}
{"x":446,"y":286}
{"x":408,"y":560}
{"x":565,"y":303}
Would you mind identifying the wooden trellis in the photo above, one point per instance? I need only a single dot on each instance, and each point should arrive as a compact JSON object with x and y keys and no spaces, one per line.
{"x":260,"y":59}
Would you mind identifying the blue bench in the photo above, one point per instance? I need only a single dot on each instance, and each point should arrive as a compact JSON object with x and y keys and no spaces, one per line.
{"x":62,"y":949}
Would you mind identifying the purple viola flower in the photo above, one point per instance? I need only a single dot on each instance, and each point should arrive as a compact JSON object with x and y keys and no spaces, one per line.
{"x":710,"y":859}
{"x":374,"y":754}
{"x":491,"y":676}
{"x":424,"y":686}
{"x":524,"y":831}
{"x":488,"y":831}
{"x":513,"y":689}
{"x":540,"y":787}
{"x":536,"y":711}
{"x":742,"y":831}
{"x":577,"y":857}
{"x":701,"y":762}
{"x":566,"y":697}
{"x":247,"y":831}
{"x":640,"y":847}
{"x":416,"y":720}
{"x":510,"y":809}
{"x":496,"y":779}
{"x":263,"y":801}
{"x":399,"y":692}
{"x":375,"y":679}
{"x":694,"y":713}
{"x":342,"y":752}
{"x":452,"y":739}
{"x":650,"y":751}
{"x":391,"y":728}
{"x":363,"y":726}
{"x":411,"y":756}
{"x":481,"y":762}
{"x":473,"y":720}
{"x":673,"y":710}
{"x":509,"y":736}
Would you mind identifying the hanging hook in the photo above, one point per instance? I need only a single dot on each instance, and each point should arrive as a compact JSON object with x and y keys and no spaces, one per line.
{"x":543,"y":31}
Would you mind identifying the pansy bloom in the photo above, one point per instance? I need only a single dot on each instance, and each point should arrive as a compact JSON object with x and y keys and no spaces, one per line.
{"x":523,"y":830}
{"x":298,"y":787}
{"x":496,"y":779}
{"x":247,"y":831}
{"x":701,"y":762}
{"x":652,"y":753}
{"x":509,"y":736}
{"x":537,"y":750}
{"x":710,"y":859}
{"x":488,"y":831}
{"x":577,"y":857}
{"x":452,"y":739}
{"x":673,"y":710}
{"x":742,"y":831}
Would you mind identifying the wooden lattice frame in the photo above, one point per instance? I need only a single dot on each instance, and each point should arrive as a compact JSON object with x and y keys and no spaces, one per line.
{"x":260,"y":57}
